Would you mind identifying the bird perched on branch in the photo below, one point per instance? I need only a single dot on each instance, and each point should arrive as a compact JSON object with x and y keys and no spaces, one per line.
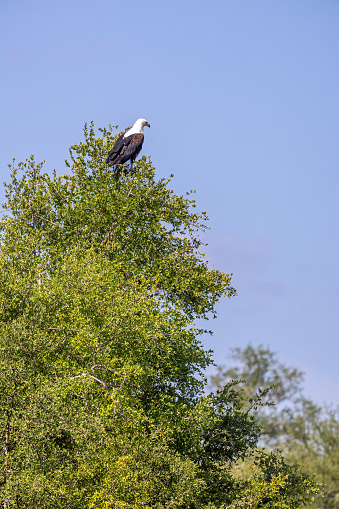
{"x":128,"y":145}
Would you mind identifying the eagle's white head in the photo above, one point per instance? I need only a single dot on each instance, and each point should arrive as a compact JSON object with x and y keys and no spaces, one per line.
{"x":138,"y":127}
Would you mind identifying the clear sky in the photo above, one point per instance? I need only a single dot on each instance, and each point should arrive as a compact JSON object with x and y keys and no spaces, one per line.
{"x":243,"y":102}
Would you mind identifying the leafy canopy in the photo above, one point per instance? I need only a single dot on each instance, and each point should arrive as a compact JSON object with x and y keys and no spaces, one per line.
{"x":102,"y":368}
{"x":307,"y":433}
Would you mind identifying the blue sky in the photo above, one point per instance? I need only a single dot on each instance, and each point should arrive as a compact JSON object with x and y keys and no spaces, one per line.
{"x":243,"y":101}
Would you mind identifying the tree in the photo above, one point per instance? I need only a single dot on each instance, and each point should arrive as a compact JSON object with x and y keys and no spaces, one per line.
{"x":102,"y":368}
{"x":261,"y":369}
{"x":307,"y":433}
{"x":310,"y":436}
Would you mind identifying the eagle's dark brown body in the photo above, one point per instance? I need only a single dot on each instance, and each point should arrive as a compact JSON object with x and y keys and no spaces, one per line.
{"x":125,"y":149}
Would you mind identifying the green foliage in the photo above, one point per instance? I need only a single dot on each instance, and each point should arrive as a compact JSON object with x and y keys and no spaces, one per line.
{"x":102,"y":369}
{"x":270,"y":482}
{"x":261,"y":369}
{"x":310,"y":435}
{"x":307,"y":433}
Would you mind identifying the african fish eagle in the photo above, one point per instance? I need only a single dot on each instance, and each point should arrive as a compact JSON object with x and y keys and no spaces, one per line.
{"x":128,"y":145}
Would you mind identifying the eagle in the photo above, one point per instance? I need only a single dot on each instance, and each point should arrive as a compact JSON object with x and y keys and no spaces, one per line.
{"x":128,"y":145}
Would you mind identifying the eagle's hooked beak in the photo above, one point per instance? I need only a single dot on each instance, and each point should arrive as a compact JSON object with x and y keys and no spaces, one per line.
{"x":148,"y":125}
